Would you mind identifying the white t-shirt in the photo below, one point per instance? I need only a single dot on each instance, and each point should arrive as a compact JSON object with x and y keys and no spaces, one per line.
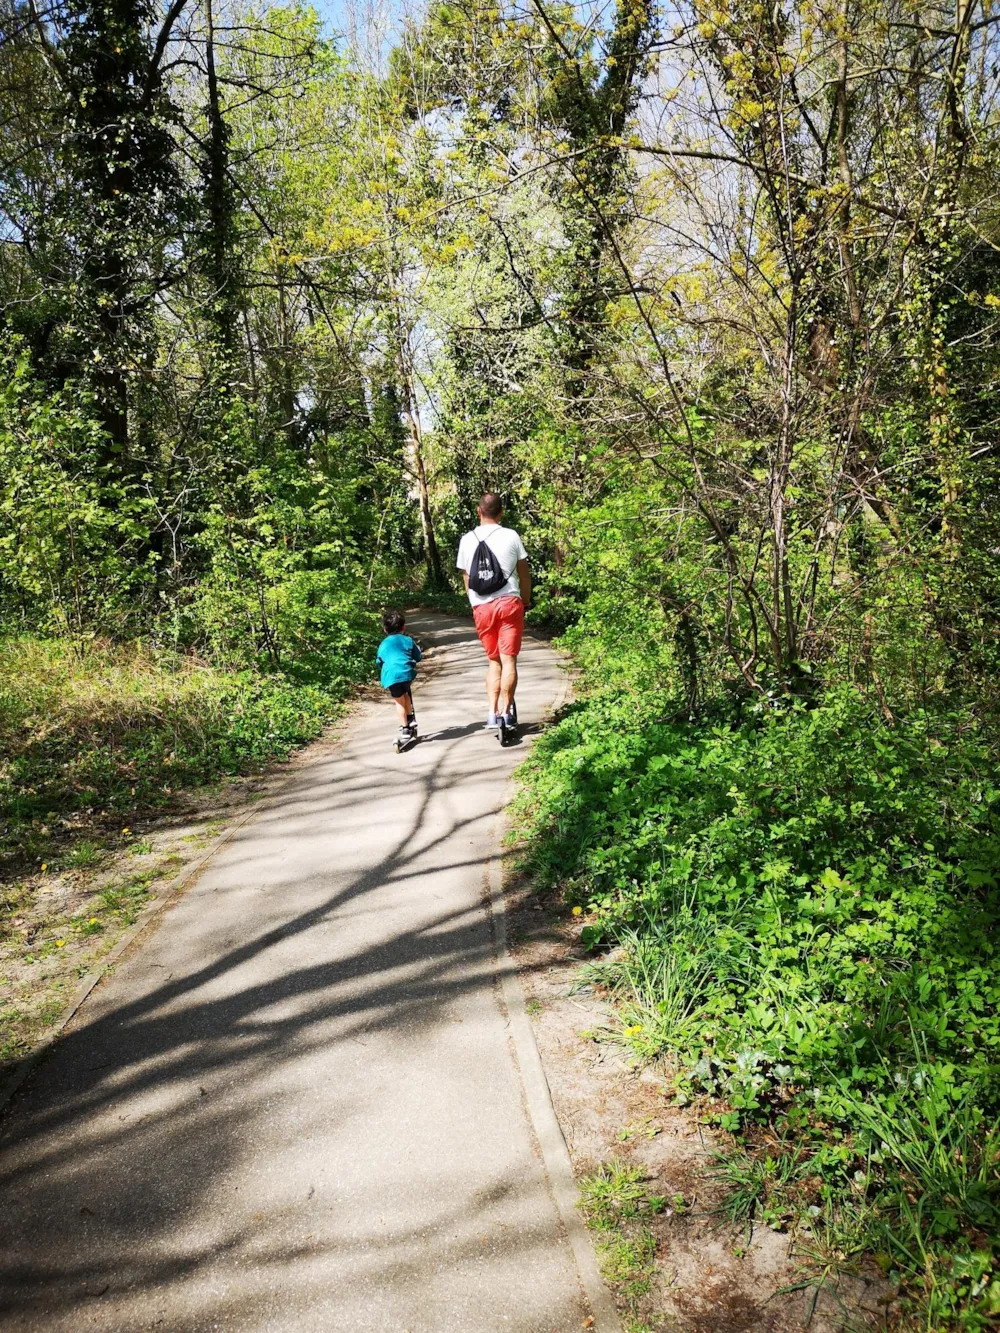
{"x":508,"y":548}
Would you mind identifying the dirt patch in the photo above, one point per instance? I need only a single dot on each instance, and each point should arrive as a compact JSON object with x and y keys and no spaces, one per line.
{"x":706,"y":1276}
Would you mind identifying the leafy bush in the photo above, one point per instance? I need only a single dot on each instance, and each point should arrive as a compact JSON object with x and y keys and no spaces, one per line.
{"x":804,"y":902}
{"x":69,"y":523}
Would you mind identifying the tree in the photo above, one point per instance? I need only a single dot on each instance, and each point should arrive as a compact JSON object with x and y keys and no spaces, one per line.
{"x":103,"y":237}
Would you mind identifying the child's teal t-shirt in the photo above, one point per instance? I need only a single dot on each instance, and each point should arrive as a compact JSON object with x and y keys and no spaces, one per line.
{"x":398,"y":656}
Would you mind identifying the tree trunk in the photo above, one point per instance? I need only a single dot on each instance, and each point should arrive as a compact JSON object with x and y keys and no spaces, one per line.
{"x":220,"y":241}
{"x":415,"y":443}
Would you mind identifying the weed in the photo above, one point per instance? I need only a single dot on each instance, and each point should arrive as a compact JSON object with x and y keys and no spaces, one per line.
{"x":646,"y":1129}
{"x":758,"y":1186}
{"x":85,"y":855}
{"x":617,"y":1191}
{"x":126,"y":898}
{"x":617,"y":1206}
{"x":628,"y":1265}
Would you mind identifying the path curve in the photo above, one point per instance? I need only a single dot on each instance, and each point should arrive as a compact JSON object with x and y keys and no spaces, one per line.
{"x":297,"y":1106}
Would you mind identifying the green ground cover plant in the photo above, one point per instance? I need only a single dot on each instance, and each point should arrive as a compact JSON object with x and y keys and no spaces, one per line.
{"x":801,"y":900}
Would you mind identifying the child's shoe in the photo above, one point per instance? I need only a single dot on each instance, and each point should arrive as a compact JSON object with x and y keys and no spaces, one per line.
{"x":492,"y":722}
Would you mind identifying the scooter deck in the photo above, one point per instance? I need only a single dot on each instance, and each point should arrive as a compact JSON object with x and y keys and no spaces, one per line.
{"x":401,"y":747}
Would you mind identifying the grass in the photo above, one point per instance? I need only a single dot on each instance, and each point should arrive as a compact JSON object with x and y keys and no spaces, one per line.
{"x":92,"y":734}
{"x":617,"y":1206}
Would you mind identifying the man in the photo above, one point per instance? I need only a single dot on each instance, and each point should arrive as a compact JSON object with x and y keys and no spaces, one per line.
{"x":499,"y":615}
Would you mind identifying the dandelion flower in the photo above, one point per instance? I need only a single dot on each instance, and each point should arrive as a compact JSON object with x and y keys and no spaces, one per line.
{"x":577,"y":911}
{"x":60,"y":943}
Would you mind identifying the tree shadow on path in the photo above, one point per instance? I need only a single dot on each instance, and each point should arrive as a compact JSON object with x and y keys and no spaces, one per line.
{"x":283,"y":1001}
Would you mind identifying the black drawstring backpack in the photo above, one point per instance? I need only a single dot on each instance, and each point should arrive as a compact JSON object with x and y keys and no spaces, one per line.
{"x":486,"y":574}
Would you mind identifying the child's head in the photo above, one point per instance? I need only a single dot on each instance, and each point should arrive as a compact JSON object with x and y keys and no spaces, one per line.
{"x":393,"y":622}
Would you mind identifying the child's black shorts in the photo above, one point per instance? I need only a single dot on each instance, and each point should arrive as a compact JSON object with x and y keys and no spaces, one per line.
{"x":403,"y":687}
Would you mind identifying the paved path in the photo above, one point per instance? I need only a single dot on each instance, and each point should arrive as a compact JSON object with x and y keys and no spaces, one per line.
{"x":296,"y":1106}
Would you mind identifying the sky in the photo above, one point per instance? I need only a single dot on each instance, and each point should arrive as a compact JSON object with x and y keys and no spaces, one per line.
{"x":345,"y":16}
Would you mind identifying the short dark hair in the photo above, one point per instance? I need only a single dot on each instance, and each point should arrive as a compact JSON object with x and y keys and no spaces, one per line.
{"x":490,"y":505}
{"x":393,"y":622}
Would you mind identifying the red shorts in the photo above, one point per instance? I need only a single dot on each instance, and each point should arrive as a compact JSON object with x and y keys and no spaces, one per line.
{"x":500,"y":624}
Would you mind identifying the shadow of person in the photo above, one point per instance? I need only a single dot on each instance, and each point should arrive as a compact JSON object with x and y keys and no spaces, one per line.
{"x":454,"y":733}
{"x":524,"y":730}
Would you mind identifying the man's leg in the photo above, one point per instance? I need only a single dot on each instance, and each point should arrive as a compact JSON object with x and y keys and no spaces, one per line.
{"x":508,"y":682}
{"x":493,"y":675}
{"x":509,"y":643}
{"x":486,"y":628}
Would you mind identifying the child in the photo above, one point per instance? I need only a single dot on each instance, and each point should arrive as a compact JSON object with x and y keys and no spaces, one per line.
{"x":398,"y":656}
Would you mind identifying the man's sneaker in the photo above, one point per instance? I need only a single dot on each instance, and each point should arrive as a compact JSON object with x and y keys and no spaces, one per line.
{"x":492,"y":722}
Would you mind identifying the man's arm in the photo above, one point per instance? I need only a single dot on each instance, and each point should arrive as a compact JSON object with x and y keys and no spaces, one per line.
{"x":524,"y":580}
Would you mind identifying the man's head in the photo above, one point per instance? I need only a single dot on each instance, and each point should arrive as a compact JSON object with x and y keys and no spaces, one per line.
{"x":490,"y":507}
{"x":393,"y":622}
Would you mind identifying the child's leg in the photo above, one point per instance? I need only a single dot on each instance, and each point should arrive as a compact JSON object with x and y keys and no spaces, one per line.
{"x":404,"y":707}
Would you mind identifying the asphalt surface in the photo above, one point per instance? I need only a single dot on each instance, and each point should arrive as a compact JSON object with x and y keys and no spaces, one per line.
{"x":296,"y":1106}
